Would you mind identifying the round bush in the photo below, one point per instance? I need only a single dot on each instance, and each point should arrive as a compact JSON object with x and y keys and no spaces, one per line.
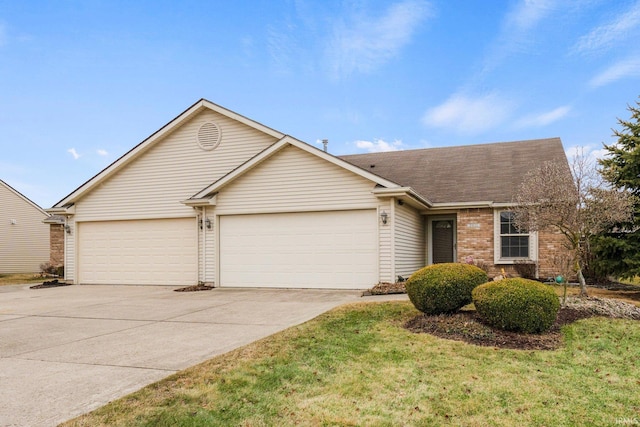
{"x":443,"y":288}
{"x":518,"y":305}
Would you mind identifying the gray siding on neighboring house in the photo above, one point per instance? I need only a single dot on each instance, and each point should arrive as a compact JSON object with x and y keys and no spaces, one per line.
{"x":24,"y":238}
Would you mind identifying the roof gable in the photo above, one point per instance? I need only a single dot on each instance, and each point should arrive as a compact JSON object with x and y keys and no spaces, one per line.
{"x":463,"y":174}
{"x":23,"y":198}
{"x":275,"y":148}
{"x":154,"y":139}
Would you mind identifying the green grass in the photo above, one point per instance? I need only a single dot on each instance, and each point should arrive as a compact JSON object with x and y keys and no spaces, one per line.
{"x":357,"y":366}
{"x":20,"y":278}
{"x":635,"y":280}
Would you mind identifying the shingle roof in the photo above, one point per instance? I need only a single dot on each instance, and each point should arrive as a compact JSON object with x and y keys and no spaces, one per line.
{"x":471,"y":173}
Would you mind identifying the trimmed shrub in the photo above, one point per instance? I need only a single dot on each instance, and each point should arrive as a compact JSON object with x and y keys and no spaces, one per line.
{"x":518,"y":305}
{"x":443,"y":288}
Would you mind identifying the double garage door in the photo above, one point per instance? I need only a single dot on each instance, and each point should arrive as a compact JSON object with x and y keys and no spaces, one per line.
{"x":143,"y":252}
{"x":299,"y":250}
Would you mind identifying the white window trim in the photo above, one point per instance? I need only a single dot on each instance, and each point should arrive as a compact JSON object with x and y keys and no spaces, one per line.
{"x":497,"y":249}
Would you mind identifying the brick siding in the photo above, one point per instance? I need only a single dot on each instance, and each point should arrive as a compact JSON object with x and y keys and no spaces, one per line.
{"x":476,"y":240}
{"x":56,"y":251}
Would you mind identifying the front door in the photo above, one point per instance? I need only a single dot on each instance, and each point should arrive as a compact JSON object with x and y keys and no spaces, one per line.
{"x":442,"y":240}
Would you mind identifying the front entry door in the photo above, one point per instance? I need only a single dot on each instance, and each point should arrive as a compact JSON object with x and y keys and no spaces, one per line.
{"x":442,"y":240}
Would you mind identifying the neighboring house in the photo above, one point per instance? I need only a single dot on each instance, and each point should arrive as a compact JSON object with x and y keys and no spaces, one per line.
{"x":24,"y":238}
{"x":217,"y":198}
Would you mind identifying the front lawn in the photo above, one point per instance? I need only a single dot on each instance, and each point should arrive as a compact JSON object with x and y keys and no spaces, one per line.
{"x":358,"y":365}
{"x":21,"y":278}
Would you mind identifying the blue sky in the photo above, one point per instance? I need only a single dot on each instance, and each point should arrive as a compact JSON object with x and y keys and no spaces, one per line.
{"x":82,"y":82}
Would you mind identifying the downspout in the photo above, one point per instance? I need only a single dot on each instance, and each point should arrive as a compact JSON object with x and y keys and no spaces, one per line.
{"x":64,"y":231}
{"x":392,"y":220}
{"x":204,"y":245}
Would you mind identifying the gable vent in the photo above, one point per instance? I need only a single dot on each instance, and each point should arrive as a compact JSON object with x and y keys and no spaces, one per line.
{"x":209,"y":136}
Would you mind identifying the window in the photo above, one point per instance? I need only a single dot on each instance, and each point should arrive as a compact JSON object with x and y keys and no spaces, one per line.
{"x":514,"y":242}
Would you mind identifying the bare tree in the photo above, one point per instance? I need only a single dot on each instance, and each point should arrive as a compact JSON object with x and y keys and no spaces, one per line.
{"x":572,"y":200}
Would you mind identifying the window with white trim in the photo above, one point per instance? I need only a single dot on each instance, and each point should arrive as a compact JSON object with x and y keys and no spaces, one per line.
{"x":512,"y":243}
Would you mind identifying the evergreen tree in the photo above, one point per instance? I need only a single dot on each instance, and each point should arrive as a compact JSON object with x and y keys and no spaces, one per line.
{"x":617,"y":252}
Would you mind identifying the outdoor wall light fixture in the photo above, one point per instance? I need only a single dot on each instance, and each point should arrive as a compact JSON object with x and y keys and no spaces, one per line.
{"x":207,"y":223}
{"x":384,"y":217}
{"x":67,"y":228}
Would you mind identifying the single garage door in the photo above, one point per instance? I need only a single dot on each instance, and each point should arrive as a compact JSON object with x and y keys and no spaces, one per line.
{"x":145,"y":252}
{"x":300,"y":250}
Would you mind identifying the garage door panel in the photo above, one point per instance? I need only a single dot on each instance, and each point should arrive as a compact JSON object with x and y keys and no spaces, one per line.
{"x":306,"y":250}
{"x":153,"y":252}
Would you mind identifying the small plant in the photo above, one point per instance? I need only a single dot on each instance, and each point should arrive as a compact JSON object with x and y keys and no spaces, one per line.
{"x":518,"y":305}
{"x":482,"y":264}
{"x":563,"y":265}
{"x":525,"y":269}
{"x":46,"y":269}
{"x":443,"y":288}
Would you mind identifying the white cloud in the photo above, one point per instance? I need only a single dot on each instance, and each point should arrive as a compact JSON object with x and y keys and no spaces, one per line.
{"x":282,"y":47}
{"x":74,"y":153}
{"x":605,"y":35}
{"x":543,"y":119}
{"x":102,"y":152}
{"x":627,"y":68}
{"x":592,"y":152}
{"x":469,"y":115}
{"x":379,"y":145}
{"x":365,"y":43}
{"x":527,"y":14}
{"x":517,"y":33}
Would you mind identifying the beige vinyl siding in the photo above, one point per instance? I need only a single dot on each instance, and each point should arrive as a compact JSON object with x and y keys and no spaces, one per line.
{"x":171,"y":170}
{"x":208,"y":257}
{"x":386,"y":270}
{"x":70,"y":251}
{"x":296,"y":181}
{"x":409,"y":241}
{"x":25,"y":244}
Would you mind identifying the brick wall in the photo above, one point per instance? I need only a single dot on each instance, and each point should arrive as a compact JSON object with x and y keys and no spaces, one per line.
{"x":56,"y":252}
{"x":475,"y":237}
{"x":553,"y":255}
{"x":476,"y":240}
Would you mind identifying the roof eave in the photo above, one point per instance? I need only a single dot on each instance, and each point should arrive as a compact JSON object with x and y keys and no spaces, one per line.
{"x":62,"y":210}
{"x":201,"y":202}
{"x":407,"y":194}
{"x":470,"y":205}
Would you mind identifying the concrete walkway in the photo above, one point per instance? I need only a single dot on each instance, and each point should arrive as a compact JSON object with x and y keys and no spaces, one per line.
{"x":68,"y":350}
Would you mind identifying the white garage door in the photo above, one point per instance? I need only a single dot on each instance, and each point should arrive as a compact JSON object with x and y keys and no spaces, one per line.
{"x":300,"y":250}
{"x":146,"y":252}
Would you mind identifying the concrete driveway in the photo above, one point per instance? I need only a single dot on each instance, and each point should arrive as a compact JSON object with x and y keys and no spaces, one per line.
{"x":68,"y":350}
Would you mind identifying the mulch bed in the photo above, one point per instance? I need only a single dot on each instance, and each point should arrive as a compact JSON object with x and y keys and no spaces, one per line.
{"x":466,"y":326}
{"x":195,"y":288}
{"x":50,"y":284}
{"x":386,"y":288}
